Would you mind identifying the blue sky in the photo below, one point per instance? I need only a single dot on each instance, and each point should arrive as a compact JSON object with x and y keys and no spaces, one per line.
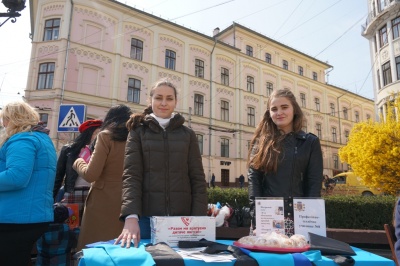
{"x":329,"y":30}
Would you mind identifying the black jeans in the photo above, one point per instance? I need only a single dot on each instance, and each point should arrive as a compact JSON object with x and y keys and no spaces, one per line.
{"x":17,"y":241}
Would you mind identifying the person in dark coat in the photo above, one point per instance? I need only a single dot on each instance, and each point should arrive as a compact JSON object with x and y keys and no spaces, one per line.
{"x":284,"y":161}
{"x":163,"y":171}
{"x":213,"y":181}
{"x":241,"y":180}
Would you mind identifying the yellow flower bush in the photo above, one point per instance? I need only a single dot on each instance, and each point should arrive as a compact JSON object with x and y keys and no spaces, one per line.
{"x":373,"y":151}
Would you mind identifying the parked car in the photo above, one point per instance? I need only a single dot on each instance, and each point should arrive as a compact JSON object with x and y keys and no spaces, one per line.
{"x":348,"y":183}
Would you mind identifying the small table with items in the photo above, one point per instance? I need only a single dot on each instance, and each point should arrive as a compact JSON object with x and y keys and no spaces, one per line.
{"x":105,"y":253}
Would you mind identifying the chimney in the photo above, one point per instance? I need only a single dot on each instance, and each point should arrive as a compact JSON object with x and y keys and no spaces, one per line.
{"x":215,"y":32}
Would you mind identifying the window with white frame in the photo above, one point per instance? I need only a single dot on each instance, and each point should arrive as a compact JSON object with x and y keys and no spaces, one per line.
{"x":386,"y":73}
{"x":251,"y":114}
{"x":397,"y":60}
{"x":335,"y":161}
{"x":51,"y":29}
{"x":357,"y":116}
{"x":224,"y":110}
{"x":198,"y":104}
{"x":333,"y":110}
{"x":318,"y":128}
{"x":303,"y":100}
{"x":317,"y":104}
{"x":224,"y":147}
{"x":345,"y":113}
{"x":45,"y":76}
{"x":334,"y":134}
{"x":368,"y":116}
{"x":136,"y":49}
{"x":270,"y":88}
{"x":268,"y":58}
{"x":249,"y":50}
{"x":383,"y":38}
{"x":250,"y":84}
{"x":301,"y":71}
{"x":315,"y":76}
{"x":346,"y":135}
{"x":200,"y":141}
{"x":285,"y":64}
{"x":134,"y":90}
{"x":396,"y":28}
{"x":170,"y":59}
{"x":199,"y":68}
{"x":225,"y":76}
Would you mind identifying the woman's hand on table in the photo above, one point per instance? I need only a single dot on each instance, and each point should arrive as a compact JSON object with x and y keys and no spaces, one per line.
{"x":131,"y":232}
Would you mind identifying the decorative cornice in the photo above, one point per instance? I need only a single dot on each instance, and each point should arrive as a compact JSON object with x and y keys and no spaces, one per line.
{"x":53,"y":7}
{"x":333,"y":120}
{"x":287,"y":79}
{"x":168,"y":75}
{"x":270,"y":74}
{"x":49,"y":49}
{"x":251,"y":98}
{"x":302,"y":84}
{"x":252,"y":67}
{"x":225,"y":59}
{"x":133,"y":28}
{"x":347,"y":124}
{"x":199,"y":84}
{"x":199,"y":50}
{"x":96,"y":14}
{"x":224,"y":91}
{"x":134,"y":66}
{"x":171,"y":40}
{"x":91,"y":55}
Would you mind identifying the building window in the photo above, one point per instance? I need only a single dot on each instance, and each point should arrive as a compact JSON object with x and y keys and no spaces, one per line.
{"x":397,"y":60}
{"x":314,"y":76}
{"x":285,"y":64}
{"x":357,"y":116}
{"x":317,"y":104}
{"x":368,"y":116}
{"x":46,"y":76}
{"x":387,"y":75}
{"x":303,"y":100}
{"x":200,"y":141}
{"x":334,"y":136}
{"x":44,"y":119}
{"x":249,"y":50}
{"x":51,"y":29}
{"x":250,"y":84}
{"x":136,"y":49}
{"x":199,"y":68}
{"x":383,"y":40}
{"x":268,"y":58}
{"x":270,"y":88}
{"x":378,"y":77}
{"x":225,"y":147}
{"x":224,"y":76}
{"x":170,"y":58}
{"x":134,"y":90}
{"x":345,"y":115}
{"x":224,"y":111}
{"x":346,"y":135}
{"x":301,"y":71}
{"x":251,"y":117}
{"x":318,"y":128}
{"x":333,"y":111}
{"x":396,"y":28}
{"x":335,"y":161}
{"x":198,"y":104}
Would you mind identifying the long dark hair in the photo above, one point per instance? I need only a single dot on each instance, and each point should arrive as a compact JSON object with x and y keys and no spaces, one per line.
{"x":266,"y":145}
{"x":115,"y":122}
{"x":137,"y":118}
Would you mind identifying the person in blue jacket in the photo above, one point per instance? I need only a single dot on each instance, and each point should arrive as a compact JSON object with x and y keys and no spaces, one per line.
{"x":396,"y":225}
{"x":27,"y":171}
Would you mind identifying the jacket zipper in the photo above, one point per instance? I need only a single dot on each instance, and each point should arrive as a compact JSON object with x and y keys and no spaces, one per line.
{"x":167,"y":199}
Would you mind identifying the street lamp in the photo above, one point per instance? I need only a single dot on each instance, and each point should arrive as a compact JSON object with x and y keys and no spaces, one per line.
{"x":14,"y":7}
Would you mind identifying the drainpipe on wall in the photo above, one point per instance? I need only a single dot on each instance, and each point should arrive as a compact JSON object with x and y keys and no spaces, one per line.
{"x":66,"y":60}
{"x":216,"y":31}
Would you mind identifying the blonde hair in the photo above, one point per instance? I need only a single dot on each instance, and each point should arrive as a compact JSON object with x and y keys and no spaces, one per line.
{"x":20,"y":116}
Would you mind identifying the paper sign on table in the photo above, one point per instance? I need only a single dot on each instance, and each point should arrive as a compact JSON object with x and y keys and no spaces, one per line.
{"x":270,"y":215}
{"x":309,"y":216}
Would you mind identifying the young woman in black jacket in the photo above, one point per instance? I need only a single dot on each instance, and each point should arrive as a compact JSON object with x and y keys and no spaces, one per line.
{"x":284,"y":161}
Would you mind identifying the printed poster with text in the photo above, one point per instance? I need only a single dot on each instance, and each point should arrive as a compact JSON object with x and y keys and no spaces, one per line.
{"x":270,"y":215}
{"x":309,"y":216}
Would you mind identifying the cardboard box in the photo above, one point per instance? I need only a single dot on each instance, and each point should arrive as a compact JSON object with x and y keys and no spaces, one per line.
{"x":171,"y":229}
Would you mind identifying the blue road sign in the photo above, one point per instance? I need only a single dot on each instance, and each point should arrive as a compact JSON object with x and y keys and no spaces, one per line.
{"x":70,"y":117}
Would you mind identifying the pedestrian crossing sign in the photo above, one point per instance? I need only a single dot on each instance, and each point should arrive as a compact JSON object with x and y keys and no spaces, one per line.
{"x":70,"y":117}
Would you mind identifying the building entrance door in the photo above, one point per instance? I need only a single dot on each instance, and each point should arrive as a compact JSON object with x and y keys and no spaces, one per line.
{"x":225,"y":177}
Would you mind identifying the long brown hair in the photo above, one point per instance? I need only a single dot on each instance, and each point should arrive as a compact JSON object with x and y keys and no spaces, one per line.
{"x":137,"y":118}
{"x":266,"y":144}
